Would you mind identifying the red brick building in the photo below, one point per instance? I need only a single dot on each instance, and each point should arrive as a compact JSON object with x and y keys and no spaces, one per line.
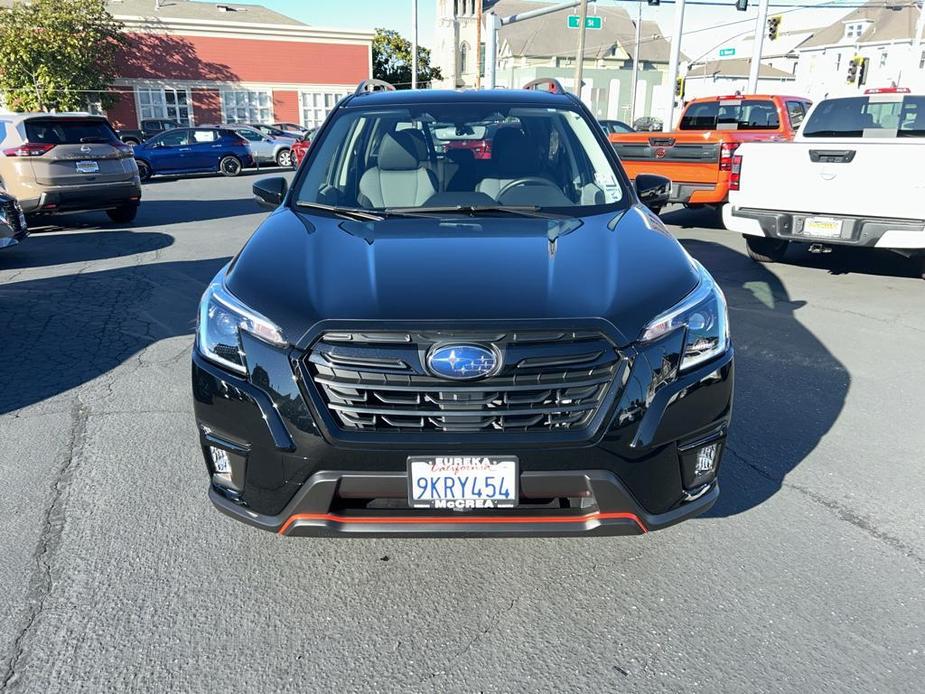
{"x":198,"y":63}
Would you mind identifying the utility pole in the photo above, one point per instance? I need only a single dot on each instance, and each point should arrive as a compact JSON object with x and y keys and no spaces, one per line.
{"x":636,"y":60}
{"x":478,"y":44}
{"x":917,"y":41}
{"x":761,"y":28}
{"x":414,"y":44}
{"x":673,"y":58}
{"x":580,"y":54}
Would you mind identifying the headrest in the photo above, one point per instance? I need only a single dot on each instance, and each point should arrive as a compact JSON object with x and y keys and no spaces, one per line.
{"x":402,"y":150}
{"x":512,"y":154}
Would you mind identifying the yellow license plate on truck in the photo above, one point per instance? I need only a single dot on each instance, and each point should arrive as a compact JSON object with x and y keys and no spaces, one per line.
{"x":822,"y":227}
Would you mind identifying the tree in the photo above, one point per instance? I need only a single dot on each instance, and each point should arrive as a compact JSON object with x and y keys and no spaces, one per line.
{"x":392,"y":60}
{"x":57,"y":54}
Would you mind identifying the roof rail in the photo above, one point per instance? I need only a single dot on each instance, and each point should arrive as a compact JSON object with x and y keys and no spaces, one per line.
{"x":367,"y":86}
{"x":554,"y":87}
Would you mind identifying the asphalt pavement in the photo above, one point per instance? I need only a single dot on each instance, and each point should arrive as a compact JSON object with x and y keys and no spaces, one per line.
{"x":118,"y":575}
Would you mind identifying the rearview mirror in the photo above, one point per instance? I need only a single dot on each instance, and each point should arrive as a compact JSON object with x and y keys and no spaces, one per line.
{"x":653,"y":191}
{"x":269,"y":192}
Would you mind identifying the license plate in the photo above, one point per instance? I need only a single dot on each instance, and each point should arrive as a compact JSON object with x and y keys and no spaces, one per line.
{"x":462,"y":482}
{"x":822,"y":227}
{"x":88,"y":166}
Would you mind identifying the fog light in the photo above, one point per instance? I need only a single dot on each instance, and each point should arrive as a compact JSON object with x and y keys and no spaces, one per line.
{"x":700,"y":462}
{"x":706,"y":460}
{"x":221,"y":463}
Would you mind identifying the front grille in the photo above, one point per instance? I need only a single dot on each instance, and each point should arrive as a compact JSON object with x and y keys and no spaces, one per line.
{"x":549,"y":381}
{"x":12,"y":213}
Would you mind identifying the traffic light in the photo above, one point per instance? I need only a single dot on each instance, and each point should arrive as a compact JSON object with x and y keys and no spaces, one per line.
{"x":853,"y":70}
{"x":655,"y":3}
{"x":862,"y":70}
{"x":773,"y":26}
{"x":742,"y":5}
{"x":679,"y":87}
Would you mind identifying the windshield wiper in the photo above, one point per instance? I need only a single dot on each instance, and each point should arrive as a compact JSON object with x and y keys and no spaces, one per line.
{"x":348,"y":212}
{"x":473,"y":210}
{"x":353,"y":212}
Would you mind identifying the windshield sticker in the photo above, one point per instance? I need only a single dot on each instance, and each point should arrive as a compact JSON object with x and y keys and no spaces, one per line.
{"x":605,"y":179}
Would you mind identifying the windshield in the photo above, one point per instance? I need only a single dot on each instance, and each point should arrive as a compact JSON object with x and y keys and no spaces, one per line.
{"x":731,"y":114}
{"x":877,"y":115}
{"x":471,"y":155}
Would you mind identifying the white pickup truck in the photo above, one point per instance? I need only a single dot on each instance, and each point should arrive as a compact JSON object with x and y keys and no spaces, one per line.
{"x":854,"y":175}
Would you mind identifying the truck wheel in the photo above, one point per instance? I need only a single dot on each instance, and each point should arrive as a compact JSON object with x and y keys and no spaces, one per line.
{"x":123,"y":214}
{"x":284,"y":158}
{"x":230,"y":166}
{"x":764,"y":250}
{"x":921,"y":261}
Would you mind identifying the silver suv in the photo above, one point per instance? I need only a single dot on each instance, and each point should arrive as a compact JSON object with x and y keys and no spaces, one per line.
{"x":67,"y":162}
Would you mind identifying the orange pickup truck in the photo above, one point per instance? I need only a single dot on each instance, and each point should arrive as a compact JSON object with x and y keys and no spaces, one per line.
{"x":697,"y":157}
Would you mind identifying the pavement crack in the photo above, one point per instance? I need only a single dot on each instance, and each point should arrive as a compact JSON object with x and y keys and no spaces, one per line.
{"x":840,"y":510}
{"x":41,"y":583}
{"x":471,"y":642}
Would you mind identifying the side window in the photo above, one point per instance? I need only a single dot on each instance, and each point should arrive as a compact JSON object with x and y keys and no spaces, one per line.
{"x":174,"y":138}
{"x":251,"y":135}
{"x":204,"y":136}
{"x":796,"y":112}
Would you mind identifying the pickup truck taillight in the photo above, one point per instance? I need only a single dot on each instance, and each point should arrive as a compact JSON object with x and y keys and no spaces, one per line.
{"x":29,"y":149}
{"x":735,"y":172}
{"x":726,"y":150}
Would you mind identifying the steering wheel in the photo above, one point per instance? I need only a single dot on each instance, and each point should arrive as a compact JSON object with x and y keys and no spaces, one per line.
{"x":524,"y":181}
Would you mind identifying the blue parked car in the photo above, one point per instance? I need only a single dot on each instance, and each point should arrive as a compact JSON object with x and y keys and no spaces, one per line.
{"x":193,"y":150}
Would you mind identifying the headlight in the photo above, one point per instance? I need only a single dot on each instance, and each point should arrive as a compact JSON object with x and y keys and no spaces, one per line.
{"x":221,"y":319}
{"x":703,"y":315}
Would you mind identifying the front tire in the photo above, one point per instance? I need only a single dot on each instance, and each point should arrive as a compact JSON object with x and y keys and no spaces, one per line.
{"x":764,"y":250}
{"x":230,"y":166}
{"x":284,"y":158}
{"x":124,"y":214}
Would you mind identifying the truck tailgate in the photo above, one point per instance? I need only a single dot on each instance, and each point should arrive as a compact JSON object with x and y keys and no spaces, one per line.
{"x":835,"y":177}
{"x":692,"y":162}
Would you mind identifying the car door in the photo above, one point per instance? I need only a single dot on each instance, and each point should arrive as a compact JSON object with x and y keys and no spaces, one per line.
{"x":166,"y":152}
{"x":204,"y":150}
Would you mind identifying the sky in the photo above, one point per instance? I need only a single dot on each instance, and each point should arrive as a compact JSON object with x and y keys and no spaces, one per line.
{"x":704,"y":27}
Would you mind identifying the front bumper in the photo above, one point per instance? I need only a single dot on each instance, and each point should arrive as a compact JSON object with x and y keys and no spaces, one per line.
{"x":869,"y":232}
{"x":290,"y":477}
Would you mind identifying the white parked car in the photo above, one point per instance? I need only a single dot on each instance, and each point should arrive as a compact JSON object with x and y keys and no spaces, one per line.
{"x":266,"y":149}
{"x":852,"y":176}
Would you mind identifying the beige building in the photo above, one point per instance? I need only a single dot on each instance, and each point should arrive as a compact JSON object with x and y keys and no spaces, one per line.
{"x":545,"y":47}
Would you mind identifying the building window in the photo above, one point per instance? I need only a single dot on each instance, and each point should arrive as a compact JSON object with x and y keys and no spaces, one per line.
{"x":172,"y":104}
{"x":247,"y":106}
{"x":883,"y":59}
{"x":317,"y":105}
{"x":922,"y":61}
{"x":837,"y":62}
{"x":464,"y":58}
{"x":854,"y":31}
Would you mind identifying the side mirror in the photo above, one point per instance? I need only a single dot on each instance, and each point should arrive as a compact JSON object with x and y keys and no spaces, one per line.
{"x":653,"y":191}
{"x":269,"y":192}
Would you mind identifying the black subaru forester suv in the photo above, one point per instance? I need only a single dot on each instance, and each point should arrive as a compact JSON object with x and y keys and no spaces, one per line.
{"x":420,"y":341}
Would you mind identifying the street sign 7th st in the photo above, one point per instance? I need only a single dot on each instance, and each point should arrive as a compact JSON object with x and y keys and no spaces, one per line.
{"x":574,"y":21}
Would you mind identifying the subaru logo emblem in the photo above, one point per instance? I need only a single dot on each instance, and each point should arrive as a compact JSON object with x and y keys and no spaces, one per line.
{"x":463,"y":362}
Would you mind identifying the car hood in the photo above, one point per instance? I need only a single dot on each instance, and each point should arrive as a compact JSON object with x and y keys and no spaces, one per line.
{"x":297,"y":270}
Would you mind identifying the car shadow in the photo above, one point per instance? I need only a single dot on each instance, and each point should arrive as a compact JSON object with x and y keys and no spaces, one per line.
{"x":790,"y":389}
{"x":43,"y":250}
{"x":264,"y":170}
{"x":695,"y":218}
{"x":844,"y":260}
{"x":61,"y":332}
{"x":151,"y":213}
